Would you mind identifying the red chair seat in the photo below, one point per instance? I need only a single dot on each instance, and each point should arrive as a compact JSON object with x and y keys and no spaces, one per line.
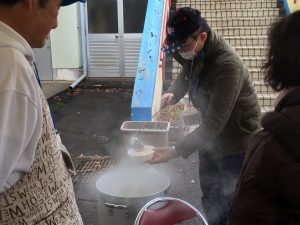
{"x":170,"y":211}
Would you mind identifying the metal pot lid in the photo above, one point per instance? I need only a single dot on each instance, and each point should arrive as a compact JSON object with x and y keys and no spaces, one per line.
{"x":130,"y":183}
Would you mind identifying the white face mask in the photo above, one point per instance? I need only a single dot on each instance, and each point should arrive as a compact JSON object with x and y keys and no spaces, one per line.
{"x":190,"y":54}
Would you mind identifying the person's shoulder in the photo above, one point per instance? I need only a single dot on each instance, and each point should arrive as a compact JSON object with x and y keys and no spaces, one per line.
{"x":11,"y":59}
{"x":7,"y":57}
{"x":264,"y":136}
{"x":267,"y":144}
{"x":16,"y":74}
{"x":258,"y":148}
{"x":260,"y":139}
{"x":225,"y":53}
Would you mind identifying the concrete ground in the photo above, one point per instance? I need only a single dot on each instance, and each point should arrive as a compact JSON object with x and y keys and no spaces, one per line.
{"x":89,"y":120}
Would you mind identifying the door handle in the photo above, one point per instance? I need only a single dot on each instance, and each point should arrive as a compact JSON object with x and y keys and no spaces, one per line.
{"x":116,"y":36}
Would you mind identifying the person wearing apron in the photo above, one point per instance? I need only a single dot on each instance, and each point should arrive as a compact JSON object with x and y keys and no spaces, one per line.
{"x":35,"y":168}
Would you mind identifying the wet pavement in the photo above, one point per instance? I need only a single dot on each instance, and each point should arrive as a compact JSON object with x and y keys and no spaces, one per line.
{"x":89,"y":120}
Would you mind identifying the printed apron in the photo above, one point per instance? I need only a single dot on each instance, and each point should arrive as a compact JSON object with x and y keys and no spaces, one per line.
{"x":45,"y":195}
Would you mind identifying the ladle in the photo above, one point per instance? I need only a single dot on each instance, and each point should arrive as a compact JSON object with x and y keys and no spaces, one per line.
{"x":135,"y":143}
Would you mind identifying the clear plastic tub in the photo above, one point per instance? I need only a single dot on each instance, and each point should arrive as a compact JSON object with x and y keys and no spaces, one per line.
{"x":154,"y":133}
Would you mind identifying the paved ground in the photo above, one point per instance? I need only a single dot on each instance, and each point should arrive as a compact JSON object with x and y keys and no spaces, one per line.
{"x":89,"y":120}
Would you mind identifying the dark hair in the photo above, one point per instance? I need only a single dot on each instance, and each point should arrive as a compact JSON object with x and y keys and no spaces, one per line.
{"x":195,"y":35}
{"x":9,"y":2}
{"x":203,"y":28}
{"x":42,"y":3}
{"x":282,"y":67}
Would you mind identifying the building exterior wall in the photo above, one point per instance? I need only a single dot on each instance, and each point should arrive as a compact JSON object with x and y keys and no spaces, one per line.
{"x":66,"y":44}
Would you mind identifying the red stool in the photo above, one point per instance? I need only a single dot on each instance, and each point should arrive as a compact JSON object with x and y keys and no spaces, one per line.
{"x":167,"y":211}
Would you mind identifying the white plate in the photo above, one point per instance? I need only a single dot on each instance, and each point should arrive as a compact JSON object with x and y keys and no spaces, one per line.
{"x":143,"y":155}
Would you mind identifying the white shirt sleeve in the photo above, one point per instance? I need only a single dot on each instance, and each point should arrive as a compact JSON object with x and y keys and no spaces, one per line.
{"x":20,"y":116}
{"x":18,"y":121}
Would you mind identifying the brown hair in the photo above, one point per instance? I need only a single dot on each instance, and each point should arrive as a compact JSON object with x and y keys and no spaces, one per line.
{"x":282,"y":68}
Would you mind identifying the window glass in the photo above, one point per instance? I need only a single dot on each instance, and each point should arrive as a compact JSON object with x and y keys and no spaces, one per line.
{"x":134,"y":15}
{"x":102,"y":16}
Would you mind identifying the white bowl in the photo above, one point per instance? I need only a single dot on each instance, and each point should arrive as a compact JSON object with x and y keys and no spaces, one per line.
{"x":143,"y":155}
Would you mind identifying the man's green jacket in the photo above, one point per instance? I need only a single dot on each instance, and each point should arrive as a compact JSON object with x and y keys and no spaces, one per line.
{"x":219,"y":86}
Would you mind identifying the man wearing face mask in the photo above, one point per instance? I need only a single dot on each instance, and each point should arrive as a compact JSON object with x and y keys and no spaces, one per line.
{"x":219,"y":86}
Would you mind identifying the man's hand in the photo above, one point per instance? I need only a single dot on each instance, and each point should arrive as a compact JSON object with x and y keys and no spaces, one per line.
{"x":162,"y":154}
{"x":167,"y":99}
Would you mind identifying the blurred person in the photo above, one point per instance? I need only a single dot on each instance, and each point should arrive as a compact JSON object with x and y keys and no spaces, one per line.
{"x":35,"y":180}
{"x":219,"y":86}
{"x":267,"y":192}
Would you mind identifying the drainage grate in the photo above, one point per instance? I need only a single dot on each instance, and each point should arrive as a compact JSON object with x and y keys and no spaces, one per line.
{"x":90,"y":167}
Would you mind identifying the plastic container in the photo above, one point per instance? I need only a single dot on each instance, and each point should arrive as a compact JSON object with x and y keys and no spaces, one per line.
{"x":154,"y":133}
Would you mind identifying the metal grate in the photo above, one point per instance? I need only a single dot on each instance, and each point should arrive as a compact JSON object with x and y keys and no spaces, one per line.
{"x":90,"y":167}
